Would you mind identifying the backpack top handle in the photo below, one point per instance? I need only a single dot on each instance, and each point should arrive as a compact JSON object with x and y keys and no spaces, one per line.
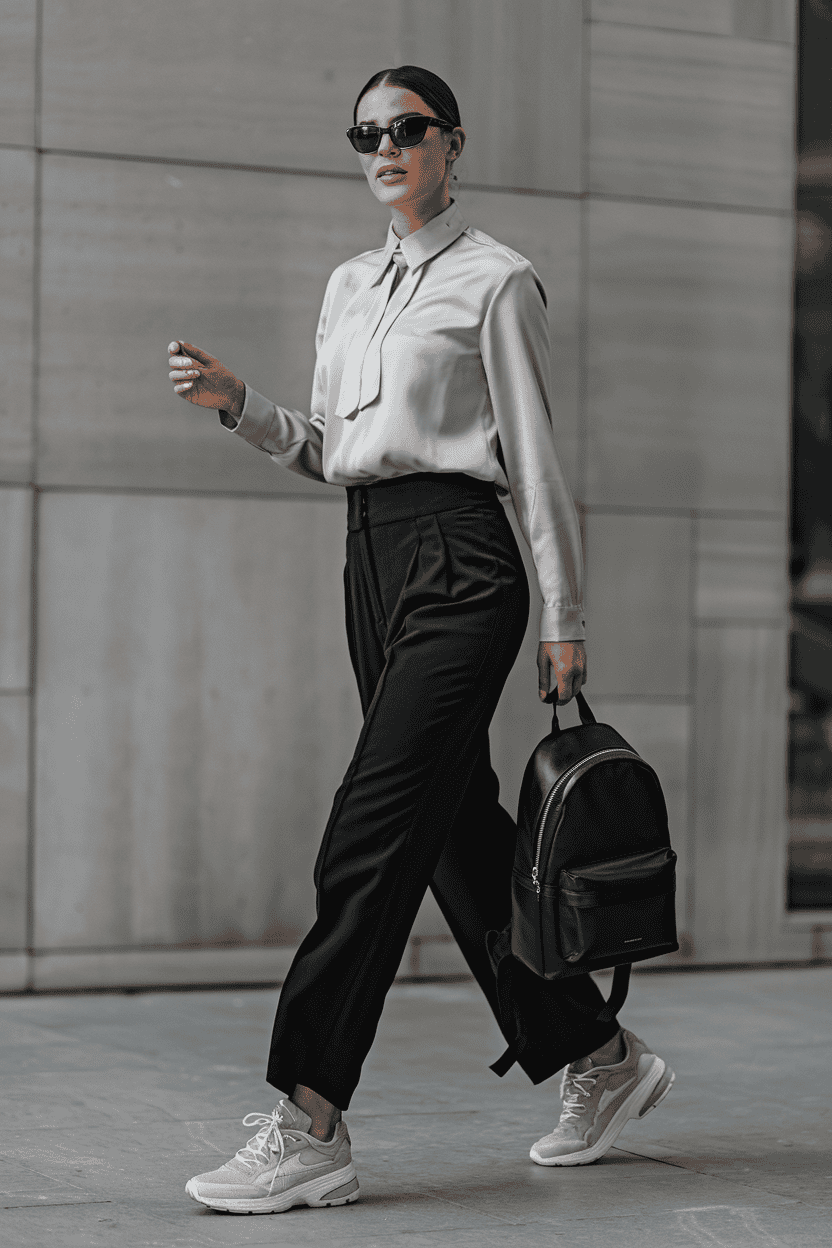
{"x":585,"y":713}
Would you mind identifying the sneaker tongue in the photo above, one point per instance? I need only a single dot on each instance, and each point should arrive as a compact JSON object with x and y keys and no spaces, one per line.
{"x":294,"y":1117}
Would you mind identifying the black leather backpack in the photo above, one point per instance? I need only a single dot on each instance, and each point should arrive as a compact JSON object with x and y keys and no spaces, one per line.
{"x":594,"y":876}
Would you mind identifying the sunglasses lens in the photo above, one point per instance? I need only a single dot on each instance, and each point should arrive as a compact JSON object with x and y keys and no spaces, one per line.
{"x":365,"y":138}
{"x":409,"y":131}
{"x":405,"y":133}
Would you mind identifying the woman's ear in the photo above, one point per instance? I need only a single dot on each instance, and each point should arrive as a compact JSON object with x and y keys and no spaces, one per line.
{"x":456,"y":142}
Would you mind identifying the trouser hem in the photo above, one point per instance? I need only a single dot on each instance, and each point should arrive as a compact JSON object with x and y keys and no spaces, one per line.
{"x":286,"y":1079}
{"x":543,"y":1066}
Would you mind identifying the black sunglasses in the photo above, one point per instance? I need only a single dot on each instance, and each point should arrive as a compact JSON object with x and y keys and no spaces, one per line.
{"x":406,"y":132}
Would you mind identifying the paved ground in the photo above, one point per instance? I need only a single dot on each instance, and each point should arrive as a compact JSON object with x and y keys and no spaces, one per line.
{"x":111,"y":1102}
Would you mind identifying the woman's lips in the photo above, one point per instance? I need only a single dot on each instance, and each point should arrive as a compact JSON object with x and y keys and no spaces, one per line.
{"x":391,"y":175}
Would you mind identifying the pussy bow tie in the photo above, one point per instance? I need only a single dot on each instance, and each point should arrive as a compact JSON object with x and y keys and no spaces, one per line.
{"x":361,"y":378}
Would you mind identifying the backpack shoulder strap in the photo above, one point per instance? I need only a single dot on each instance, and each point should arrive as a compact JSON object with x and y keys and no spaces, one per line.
{"x":617,"y":997}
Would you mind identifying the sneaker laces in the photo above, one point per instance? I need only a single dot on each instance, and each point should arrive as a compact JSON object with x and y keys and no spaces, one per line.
{"x":269,"y":1139}
{"x":574,"y":1087}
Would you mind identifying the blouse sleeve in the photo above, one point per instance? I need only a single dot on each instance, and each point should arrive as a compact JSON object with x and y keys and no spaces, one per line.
{"x":292,"y":438}
{"x":515,"y":349}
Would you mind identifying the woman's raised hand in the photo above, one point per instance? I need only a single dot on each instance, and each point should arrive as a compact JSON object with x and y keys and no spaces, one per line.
{"x":200,"y":378}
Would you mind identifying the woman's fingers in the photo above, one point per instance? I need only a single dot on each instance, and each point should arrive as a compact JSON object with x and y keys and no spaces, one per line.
{"x":184,"y":355}
{"x":568,"y":661}
{"x":543,"y":668}
{"x":574,"y":675}
{"x":200,"y":357}
{"x":182,"y":370}
{"x":182,"y":367}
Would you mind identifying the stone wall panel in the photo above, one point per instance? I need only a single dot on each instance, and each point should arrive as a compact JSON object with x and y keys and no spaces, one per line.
{"x":17,"y":224}
{"x":689,"y":117}
{"x":688,"y":358}
{"x":638,"y":605}
{"x":196,"y":713}
{"x":14,"y":787}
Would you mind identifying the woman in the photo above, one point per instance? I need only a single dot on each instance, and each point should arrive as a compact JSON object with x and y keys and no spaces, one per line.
{"x":430,"y":396}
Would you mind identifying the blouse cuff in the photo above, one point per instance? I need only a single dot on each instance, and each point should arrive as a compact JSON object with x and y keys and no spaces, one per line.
{"x":562,"y":623}
{"x":255,"y":421}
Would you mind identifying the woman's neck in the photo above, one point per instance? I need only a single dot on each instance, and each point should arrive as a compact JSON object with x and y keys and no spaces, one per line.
{"x":411,"y":217}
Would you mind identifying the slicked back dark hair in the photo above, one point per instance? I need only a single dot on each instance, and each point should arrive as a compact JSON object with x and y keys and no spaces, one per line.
{"x":430,"y":87}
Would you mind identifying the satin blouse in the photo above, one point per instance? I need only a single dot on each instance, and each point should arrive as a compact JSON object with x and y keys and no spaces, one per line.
{"x":445,"y":371}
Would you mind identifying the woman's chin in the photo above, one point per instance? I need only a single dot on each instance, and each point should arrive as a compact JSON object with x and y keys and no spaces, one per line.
{"x":395,"y":194}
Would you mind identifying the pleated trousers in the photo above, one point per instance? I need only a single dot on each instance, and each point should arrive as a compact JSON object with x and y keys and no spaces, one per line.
{"x":437,"y":603}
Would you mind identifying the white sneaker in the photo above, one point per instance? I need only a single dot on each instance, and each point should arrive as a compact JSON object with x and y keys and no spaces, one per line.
{"x":598,"y":1104}
{"x":281,"y":1166}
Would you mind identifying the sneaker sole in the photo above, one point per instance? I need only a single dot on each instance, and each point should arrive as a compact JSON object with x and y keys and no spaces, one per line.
{"x":631,"y":1108}
{"x":665,"y":1084}
{"x":338,"y":1188}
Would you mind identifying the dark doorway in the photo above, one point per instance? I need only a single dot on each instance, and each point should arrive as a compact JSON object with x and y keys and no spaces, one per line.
{"x":810,"y":725}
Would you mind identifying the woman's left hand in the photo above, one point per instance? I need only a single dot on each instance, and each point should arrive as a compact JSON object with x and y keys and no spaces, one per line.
{"x":567,"y":660}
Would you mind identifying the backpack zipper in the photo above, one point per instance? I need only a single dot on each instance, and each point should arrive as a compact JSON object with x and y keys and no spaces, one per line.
{"x":617,"y":751}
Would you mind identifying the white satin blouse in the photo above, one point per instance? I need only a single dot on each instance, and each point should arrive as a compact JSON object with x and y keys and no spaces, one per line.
{"x":448,"y":372}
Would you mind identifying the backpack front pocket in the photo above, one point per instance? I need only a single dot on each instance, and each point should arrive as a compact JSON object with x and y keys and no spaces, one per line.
{"x":623,"y":907}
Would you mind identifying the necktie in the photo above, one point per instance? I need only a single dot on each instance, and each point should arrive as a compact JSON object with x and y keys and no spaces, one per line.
{"x":349,"y":395}
{"x":401,"y":265}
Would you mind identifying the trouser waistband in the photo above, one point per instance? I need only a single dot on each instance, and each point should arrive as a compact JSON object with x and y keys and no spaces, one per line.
{"x":415,"y":494}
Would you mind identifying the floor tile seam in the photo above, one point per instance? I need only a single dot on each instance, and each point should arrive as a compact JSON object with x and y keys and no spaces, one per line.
{"x":146,"y":1064}
{"x":724,"y":1178}
{"x":370,"y":1239}
{"x":640,"y":1213}
{"x":118,"y":1072}
{"x":41,"y":1174}
{"x":734,"y":1180}
{"x":455,"y":1204}
{"x":150,"y":1121}
{"x":94,"y":1126}
{"x":672,"y":1154}
{"x":59,"y":1204}
{"x":106,"y":1125}
{"x":567,"y":1218}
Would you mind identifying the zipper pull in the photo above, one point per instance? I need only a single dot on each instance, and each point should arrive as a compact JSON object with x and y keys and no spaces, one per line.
{"x":535,"y":880}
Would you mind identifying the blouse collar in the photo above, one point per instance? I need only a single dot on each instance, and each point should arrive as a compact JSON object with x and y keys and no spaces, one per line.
{"x":425,"y":243}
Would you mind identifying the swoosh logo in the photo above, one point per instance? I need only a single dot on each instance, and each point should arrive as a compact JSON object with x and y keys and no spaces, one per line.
{"x":294,"y":1165}
{"x":607,"y":1096}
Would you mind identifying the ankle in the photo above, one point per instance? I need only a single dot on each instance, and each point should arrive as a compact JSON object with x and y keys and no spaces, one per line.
{"x":325,"y":1137}
{"x":611,"y":1053}
{"x":324,"y":1115}
{"x":608,"y":1054}
{"x":324,"y":1128}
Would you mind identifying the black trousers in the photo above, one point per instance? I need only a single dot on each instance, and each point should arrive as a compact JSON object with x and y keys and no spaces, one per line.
{"x":437,"y":604}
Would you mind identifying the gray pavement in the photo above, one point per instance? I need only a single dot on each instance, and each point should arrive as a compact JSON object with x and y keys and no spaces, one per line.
{"x":111,"y":1102}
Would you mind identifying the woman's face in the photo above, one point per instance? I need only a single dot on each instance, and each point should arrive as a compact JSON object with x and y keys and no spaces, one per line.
{"x":416,"y":174}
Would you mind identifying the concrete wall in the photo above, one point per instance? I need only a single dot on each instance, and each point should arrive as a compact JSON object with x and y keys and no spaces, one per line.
{"x":180,"y":170}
